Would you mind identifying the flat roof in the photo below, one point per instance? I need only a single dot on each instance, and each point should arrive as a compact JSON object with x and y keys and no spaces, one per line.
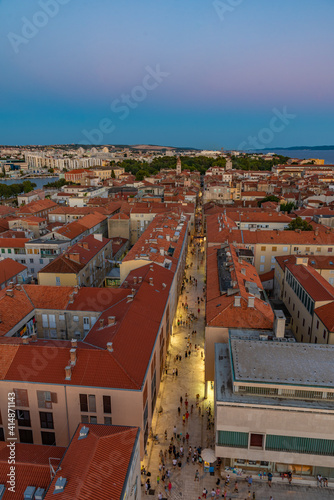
{"x":282,"y":363}
{"x":224,"y":388}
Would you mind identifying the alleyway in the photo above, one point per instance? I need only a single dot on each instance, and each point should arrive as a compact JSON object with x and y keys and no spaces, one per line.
{"x":188,"y":383}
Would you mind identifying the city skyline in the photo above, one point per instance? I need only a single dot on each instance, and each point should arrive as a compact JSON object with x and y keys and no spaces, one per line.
{"x":198,"y":75}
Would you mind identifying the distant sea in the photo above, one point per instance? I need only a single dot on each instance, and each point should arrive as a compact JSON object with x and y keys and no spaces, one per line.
{"x":323,"y":154}
{"x":38,"y":181}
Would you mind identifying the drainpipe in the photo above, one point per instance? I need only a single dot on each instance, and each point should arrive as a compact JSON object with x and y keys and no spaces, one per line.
{"x":66,"y":406}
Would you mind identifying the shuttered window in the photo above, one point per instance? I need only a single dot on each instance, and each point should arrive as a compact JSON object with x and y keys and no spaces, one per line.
{"x":300,"y":445}
{"x":233,"y":439}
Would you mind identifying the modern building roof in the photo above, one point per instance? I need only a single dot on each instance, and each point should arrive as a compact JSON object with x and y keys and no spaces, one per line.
{"x":282,"y":363}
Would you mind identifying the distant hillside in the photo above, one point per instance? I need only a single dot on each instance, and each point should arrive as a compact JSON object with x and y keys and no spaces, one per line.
{"x":301,"y":148}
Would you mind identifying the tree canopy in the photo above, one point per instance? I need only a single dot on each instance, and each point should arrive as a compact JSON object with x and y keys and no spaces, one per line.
{"x":299,"y":223}
{"x":12,"y":190}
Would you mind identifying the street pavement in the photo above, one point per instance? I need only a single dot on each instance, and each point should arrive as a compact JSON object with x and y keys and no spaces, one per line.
{"x":187,"y":384}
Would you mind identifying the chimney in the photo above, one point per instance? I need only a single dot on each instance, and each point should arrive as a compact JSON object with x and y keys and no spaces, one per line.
{"x":140,"y":279}
{"x":98,"y":237}
{"x":279,"y":324}
{"x":129,"y":298}
{"x":84,"y":244}
{"x":135,"y":280}
{"x":74,"y":256}
{"x":111,"y":320}
{"x":73,"y":353}
{"x":101,"y":321}
{"x":74,"y":343}
{"x":68,"y":372}
{"x":110,"y":347}
{"x":237,"y":300}
{"x":251,"y":301}
{"x":10,"y":292}
{"x":151,"y":281}
{"x":25,"y":339}
{"x":162,"y":251}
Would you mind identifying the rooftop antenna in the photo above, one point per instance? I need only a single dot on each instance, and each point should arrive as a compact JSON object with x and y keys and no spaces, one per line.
{"x":52,"y":470}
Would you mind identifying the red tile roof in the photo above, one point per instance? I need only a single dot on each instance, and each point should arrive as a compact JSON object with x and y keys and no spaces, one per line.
{"x":314,"y":284}
{"x":220,"y":309}
{"x":326,"y":315}
{"x":10,"y":268}
{"x":31,"y":467}
{"x":13,"y":309}
{"x":13,"y":242}
{"x":96,"y":467}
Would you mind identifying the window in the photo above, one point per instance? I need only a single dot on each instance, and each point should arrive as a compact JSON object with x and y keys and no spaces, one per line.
{"x":26,"y":436}
{"x":48,"y":438}
{"x":107,"y":421}
{"x":263,"y":258}
{"x":31,"y":261}
{"x":84,"y":419}
{"x":274,"y":249}
{"x":57,"y":281}
{"x":295,"y":249}
{"x":315,"y":340}
{"x":86,"y":323}
{"x":36,"y":251}
{"x":61,"y":317}
{"x":9,"y":250}
{"x":256,"y":441}
{"x":46,"y":398}
{"x":83,"y":402}
{"x":318,"y":249}
{"x":46,"y":419}
{"x":263,"y":249}
{"x":106,"y":404}
{"x":2,"y":250}
{"x":52,"y":320}
{"x":45,"y":321}
{"x":91,"y":403}
{"x":262,"y":268}
{"x":23,"y":418}
{"x":303,"y":321}
{"x":32,"y":270}
{"x":93,"y":420}
{"x":76,"y":318}
{"x":273,"y":260}
{"x":324,"y":334}
{"x":317,"y":325}
{"x":21,"y":397}
{"x":41,"y":261}
{"x":330,"y":250}
{"x":307,"y":249}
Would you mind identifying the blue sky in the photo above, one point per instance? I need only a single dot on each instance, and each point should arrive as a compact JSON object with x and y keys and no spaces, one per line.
{"x":226,"y":66}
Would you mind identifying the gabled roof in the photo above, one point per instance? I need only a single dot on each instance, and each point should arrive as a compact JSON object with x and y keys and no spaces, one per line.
{"x":13,"y":309}
{"x":85,"y":459}
{"x":314,"y":284}
{"x":326,"y":315}
{"x":10,"y":268}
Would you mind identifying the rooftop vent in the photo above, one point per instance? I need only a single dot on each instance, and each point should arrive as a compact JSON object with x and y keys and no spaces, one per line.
{"x":151,"y":281}
{"x":101,"y":321}
{"x":135,"y":280}
{"x":111,"y":320}
{"x":237,"y":301}
{"x":60,"y":485}
{"x":83,"y":432}
{"x":110,"y":347}
{"x":25,"y":339}
{"x":251,"y":301}
{"x":39,"y":494}
{"x":74,"y":343}
{"x":29,"y":493}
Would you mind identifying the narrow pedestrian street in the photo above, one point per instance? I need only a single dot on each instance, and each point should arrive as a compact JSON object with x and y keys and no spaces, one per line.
{"x":197,"y":430}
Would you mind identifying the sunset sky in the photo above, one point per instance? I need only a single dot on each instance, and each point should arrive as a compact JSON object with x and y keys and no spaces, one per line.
{"x":225,"y":66}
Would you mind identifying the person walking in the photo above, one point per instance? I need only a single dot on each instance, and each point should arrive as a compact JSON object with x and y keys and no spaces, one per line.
{"x":205,"y":491}
{"x":196,"y":476}
{"x":169,"y":486}
{"x":174,"y":431}
{"x":270,"y":478}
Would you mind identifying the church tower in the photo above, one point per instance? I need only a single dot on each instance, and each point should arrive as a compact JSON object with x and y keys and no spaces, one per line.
{"x":178,"y":166}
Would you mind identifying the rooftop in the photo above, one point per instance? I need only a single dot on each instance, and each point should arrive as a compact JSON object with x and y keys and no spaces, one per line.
{"x":283,"y":363}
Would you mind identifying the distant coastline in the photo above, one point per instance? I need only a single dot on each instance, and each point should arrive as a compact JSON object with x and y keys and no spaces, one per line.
{"x":299,"y":148}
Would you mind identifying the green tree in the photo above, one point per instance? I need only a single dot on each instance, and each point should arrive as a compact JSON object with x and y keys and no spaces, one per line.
{"x":287,"y":207}
{"x":273,"y":198}
{"x":299,"y":223}
{"x":112,"y":175}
